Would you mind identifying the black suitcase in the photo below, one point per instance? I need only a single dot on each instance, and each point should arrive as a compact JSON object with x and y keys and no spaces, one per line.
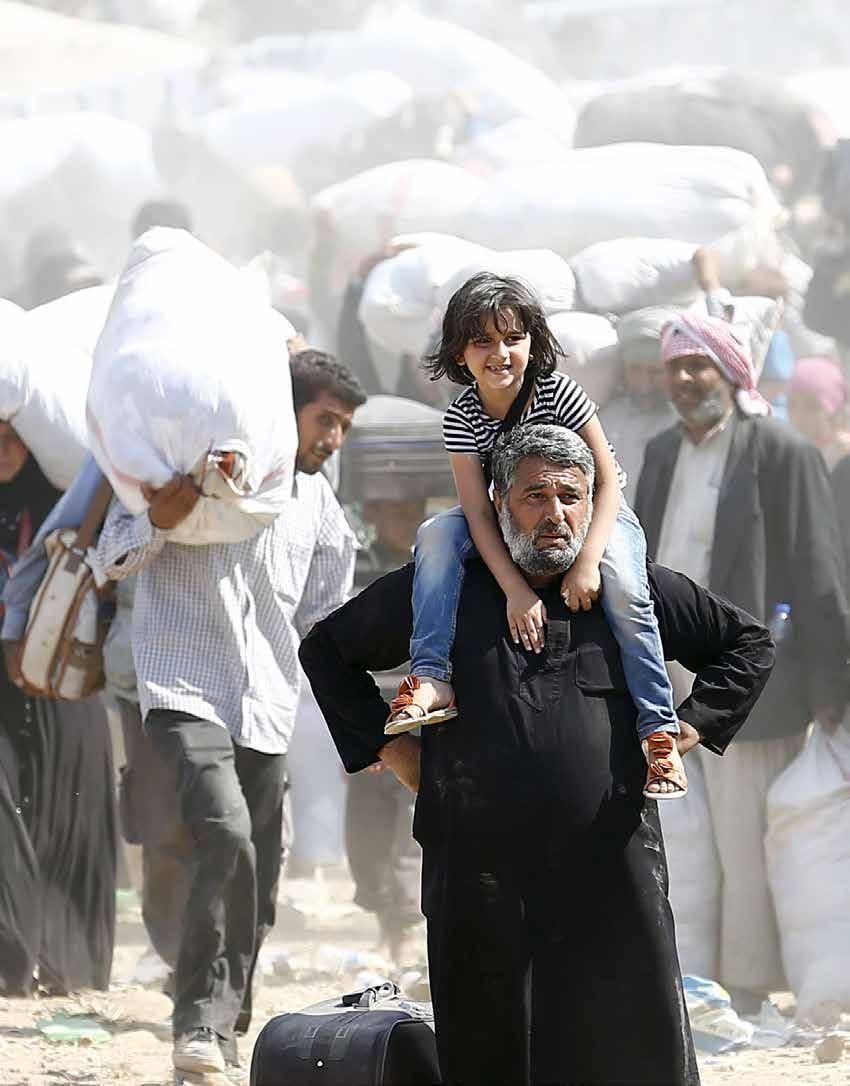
{"x":372,"y":1038}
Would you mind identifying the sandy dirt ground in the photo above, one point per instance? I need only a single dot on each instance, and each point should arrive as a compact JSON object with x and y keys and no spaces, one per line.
{"x":138,"y":1052}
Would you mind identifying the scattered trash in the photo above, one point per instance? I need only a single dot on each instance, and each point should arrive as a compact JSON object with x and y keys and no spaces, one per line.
{"x":333,"y":960}
{"x":368,"y":968}
{"x":415,"y":984}
{"x":150,"y":970}
{"x":772,"y":1030}
{"x":715,"y":1025}
{"x":830,"y":1049}
{"x":73,"y":1029}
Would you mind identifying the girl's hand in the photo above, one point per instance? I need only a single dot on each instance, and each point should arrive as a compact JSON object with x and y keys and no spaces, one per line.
{"x":581,"y":586}
{"x":526,"y":618}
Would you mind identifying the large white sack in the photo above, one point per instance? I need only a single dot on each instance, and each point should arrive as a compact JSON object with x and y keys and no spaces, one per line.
{"x":78,"y":317}
{"x":172,"y":16}
{"x":549,"y":276}
{"x":523,"y":139}
{"x":694,"y":873}
{"x":85,"y":174}
{"x":441,"y":58}
{"x":693,"y":194}
{"x":635,"y":273}
{"x":43,"y":383}
{"x":639,"y":334}
{"x":399,"y":299}
{"x":364,"y":212}
{"x":589,"y":343}
{"x":297,"y":113}
{"x":193,"y":360}
{"x":808,"y":864}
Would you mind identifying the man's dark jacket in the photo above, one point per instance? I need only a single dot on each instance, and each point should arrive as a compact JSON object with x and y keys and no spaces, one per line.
{"x":539,"y":848}
{"x":775,"y":541}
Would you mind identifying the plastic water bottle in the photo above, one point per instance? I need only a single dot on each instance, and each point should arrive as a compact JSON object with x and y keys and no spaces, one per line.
{"x":780,"y":624}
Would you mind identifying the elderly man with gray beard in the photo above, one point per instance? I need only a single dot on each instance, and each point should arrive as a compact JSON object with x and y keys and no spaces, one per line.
{"x":551,"y":945}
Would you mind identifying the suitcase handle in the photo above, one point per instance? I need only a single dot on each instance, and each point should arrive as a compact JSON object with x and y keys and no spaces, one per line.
{"x":368,"y":996}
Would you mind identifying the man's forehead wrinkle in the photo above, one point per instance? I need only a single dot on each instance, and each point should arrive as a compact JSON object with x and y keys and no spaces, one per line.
{"x":553,"y":475}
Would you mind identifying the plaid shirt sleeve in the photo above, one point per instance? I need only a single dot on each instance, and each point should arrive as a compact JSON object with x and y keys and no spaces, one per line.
{"x":128,"y":543}
{"x":331,"y":575}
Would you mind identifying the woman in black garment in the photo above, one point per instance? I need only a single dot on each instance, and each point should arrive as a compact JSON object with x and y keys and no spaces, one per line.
{"x":57,"y":814}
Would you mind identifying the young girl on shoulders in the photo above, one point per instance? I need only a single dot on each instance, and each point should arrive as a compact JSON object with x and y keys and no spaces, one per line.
{"x":495,"y":340}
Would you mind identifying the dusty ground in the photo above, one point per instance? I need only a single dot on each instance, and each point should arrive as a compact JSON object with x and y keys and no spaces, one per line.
{"x":138,"y":1053}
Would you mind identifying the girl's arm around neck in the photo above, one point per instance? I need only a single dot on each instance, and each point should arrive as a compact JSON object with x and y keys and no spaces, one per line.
{"x":481,"y":518}
{"x":606,"y":501}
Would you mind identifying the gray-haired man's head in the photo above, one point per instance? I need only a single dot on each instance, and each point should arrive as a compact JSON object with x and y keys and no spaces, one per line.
{"x":543,"y":481}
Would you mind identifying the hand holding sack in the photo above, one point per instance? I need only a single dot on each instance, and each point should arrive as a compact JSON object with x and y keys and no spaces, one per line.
{"x":191,"y":377}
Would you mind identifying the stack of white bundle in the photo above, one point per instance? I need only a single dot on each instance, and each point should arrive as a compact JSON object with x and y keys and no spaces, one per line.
{"x":366,"y":211}
{"x":191,"y":366}
{"x":626,"y":274}
{"x":399,"y":305}
{"x":85,"y":174}
{"x":274,"y":120}
{"x":693,"y":194}
{"x":438,"y":58}
{"x":43,"y":383}
{"x":76,"y":318}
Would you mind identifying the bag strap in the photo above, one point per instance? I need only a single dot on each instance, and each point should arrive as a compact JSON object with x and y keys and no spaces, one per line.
{"x":94,"y":515}
{"x":511,"y":419}
{"x":520,"y":403}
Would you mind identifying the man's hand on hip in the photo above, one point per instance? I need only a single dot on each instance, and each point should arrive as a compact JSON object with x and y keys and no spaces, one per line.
{"x":688,"y":737}
{"x":171,"y":504}
{"x":401,"y":755}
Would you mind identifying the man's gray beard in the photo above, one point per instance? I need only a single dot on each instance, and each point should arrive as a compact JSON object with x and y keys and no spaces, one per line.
{"x":708,"y":413}
{"x":533,"y":560}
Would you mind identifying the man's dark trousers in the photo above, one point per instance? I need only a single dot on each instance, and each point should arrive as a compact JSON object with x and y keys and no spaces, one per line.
{"x":230,"y":803}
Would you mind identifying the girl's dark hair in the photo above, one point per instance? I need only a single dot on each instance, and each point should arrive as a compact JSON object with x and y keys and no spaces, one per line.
{"x":480,"y":297}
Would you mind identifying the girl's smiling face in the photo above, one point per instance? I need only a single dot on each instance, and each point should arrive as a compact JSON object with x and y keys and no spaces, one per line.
{"x":498,"y":357}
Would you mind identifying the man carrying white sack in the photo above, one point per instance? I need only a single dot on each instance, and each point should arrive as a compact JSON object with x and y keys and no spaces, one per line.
{"x":215,"y":639}
{"x":216,"y":625}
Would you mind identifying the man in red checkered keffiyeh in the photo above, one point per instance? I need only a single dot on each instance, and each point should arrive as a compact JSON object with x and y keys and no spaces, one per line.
{"x":689,"y":335}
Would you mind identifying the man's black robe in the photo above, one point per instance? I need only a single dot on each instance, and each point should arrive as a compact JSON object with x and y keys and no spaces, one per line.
{"x":551,"y":944}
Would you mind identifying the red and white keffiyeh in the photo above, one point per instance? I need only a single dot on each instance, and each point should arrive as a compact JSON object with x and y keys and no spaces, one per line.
{"x":690,"y":334}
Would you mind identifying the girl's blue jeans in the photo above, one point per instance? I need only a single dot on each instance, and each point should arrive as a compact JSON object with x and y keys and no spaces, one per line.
{"x":443,"y":544}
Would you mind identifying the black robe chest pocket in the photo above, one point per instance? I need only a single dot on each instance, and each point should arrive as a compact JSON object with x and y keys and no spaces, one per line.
{"x":596,"y":670}
{"x":599,"y":670}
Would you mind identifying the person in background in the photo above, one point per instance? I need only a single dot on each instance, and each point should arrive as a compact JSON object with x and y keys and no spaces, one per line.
{"x":643,"y":409}
{"x":54,"y":265}
{"x":777,"y":373}
{"x":818,"y":408}
{"x":58,"y":828}
{"x":215,"y":637}
{"x":742,"y":504}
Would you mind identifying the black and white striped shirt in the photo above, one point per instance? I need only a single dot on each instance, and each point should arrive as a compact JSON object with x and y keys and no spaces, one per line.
{"x":558,"y":400}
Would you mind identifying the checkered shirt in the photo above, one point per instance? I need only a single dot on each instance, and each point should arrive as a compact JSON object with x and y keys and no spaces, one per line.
{"x":216,"y":628}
